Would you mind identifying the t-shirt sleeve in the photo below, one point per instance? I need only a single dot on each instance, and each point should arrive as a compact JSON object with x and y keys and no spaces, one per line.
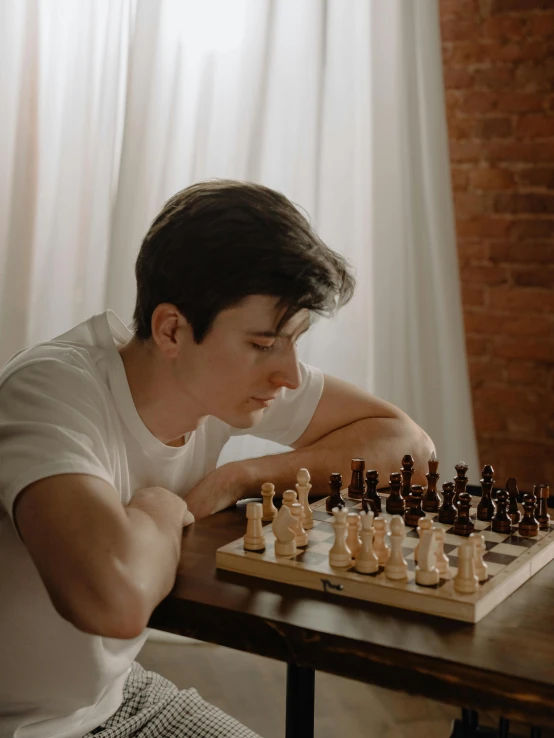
{"x":290,"y":414}
{"x":52,"y":421}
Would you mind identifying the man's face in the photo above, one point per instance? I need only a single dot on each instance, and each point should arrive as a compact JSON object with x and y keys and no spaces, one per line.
{"x":242,"y":364}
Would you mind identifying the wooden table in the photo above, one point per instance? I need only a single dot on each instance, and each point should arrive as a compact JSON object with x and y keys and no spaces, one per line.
{"x":503,"y":664}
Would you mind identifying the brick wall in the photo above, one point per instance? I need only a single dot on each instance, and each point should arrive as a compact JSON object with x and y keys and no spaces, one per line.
{"x":498,"y":58}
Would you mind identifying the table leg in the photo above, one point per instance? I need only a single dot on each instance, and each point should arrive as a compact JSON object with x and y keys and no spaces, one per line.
{"x":300,"y":702}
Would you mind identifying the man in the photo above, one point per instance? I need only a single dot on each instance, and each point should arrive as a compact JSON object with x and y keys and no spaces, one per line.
{"x":109,"y":442}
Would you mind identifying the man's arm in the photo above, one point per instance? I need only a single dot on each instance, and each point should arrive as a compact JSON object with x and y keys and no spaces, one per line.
{"x":347,"y":423}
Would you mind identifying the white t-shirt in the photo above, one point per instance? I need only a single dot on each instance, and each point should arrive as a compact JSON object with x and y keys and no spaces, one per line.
{"x":66,"y":407}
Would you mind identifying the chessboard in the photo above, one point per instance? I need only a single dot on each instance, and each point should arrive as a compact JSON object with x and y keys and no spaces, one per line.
{"x":511,"y":560}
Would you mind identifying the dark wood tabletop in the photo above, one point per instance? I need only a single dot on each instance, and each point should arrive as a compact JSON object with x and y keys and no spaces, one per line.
{"x":503,"y":664}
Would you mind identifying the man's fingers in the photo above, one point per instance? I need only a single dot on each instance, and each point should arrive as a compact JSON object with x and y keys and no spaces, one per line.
{"x":188,"y":518}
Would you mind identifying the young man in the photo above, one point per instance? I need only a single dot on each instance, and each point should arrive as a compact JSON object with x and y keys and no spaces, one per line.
{"x":109,"y":442}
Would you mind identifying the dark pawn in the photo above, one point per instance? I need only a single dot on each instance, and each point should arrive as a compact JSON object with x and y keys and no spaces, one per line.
{"x":529,"y":525}
{"x":356,"y":486}
{"x":486,"y":507}
{"x":407,"y":472}
{"x":395,"y":504}
{"x":513,"y":509}
{"x":464,"y":524}
{"x":460,"y":480}
{"x":447,"y":512}
{"x":432,"y":499}
{"x":335,"y":499}
{"x":372,"y":498}
{"x":501,"y":521}
{"x":415,"y":513}
{"x":542,"y":493}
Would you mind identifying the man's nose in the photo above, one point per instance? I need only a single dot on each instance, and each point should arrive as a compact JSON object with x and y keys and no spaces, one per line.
{"x":288,"y":373}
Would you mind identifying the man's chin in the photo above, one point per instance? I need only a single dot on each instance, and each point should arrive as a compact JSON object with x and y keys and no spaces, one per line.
{"x":242,"y":421}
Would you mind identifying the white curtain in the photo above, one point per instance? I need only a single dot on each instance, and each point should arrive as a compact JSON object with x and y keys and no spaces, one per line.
{"x":110,"y":106}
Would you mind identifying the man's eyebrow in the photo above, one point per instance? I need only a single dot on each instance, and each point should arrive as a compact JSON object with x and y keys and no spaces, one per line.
{"x":274,"y":334}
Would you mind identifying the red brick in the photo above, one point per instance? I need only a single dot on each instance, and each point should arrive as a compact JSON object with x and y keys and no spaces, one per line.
{"x":523,"y":203}
{"x":520,"y":298}
{"x":485,"y":227}
{"x":521,"y":422}
{"x":469,"y":53}
{"x":495,"y":77}
{"x":516,"y":51}
{"x":534,"y":229}
{"x":529,"y":325}
{"x":541,"y":25}
{"x":534,"y":278}
{"x":533,"y":349}
{"x":483,"y":370}
{"x":516,"y":151}
{"x":468,"y":205}
{"x":477,"y":346}
{"x":506,"y":397}
{"x":471,"y":250}
{"x":519,"y":102}
{"x":460,"y":128}
{"x":473,"y":295}
{"x":504,"y":27}
{"x":459,"y":178}
{"x":486,"y":178}
{"x":485,"y":324}
{"x":490,"y":275}
{"x":479,"y":101}
{"x":521,"y":6}
{"x":494,"y":128}
{"x":465,"y":151}
{"x":535,"y":126}
{"x":457,"y":77}
{"x":457,"y":30}
{"x":537,"y":177}
{"x":522,"y":253}
{"x":535,"y":75}
{"x":527,"y":373}
{"x":487,"y":421}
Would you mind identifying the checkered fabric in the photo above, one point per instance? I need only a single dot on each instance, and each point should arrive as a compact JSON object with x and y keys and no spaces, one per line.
{"x":154,"y":707}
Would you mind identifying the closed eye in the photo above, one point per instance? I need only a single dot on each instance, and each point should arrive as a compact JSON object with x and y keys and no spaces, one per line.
{"x":263,"y":349}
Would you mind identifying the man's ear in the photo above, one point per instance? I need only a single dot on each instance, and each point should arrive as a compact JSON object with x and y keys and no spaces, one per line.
{"x":170,"y":329}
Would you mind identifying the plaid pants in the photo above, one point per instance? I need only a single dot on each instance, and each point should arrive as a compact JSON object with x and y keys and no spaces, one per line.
{"x":153,"y":707}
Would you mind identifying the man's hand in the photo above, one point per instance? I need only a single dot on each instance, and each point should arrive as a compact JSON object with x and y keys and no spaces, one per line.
{"x":221,"y":488}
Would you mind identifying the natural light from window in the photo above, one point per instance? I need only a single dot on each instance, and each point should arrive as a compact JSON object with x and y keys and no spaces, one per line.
{"x":208,"y":25}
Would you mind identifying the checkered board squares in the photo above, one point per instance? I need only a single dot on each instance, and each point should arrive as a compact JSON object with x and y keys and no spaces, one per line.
{"x":511,"y":560}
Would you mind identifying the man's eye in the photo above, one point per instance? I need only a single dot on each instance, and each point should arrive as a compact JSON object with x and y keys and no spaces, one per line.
{"x":264,"y":349}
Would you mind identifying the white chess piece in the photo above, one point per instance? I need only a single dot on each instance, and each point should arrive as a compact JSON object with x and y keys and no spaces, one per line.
{"x":303,"y":488}
{"x":380,"y":545}
{"x":466,"y":580}
{"x":340,"y":555}
{"x":301,"y":535}
{"x":353,"y":538}
{"x":443,"y":564}
{"x":289,"y":497}
{"x":427,"y":572}
{"x":268,"y":493}
{"x":366,"y":560}
{"x":283,"y":527}
{"x":397,"y":566}
{"x":254,"y":538}
{"x":424,"y":524}
{"x":481,"y":569}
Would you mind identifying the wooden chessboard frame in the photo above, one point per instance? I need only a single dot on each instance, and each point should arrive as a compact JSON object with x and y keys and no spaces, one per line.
{"x":441,"y":600}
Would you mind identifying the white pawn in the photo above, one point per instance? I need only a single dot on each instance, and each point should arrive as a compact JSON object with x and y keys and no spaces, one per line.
{"x":443,"y":564}
{"x":380,"y":545}
{"x":366,"y":560}
{"x":254,"y":537}
{"x":268,"y":493}
{"x":397,"y":566}
{"x":353,"y":538}
{"x":466,"y":580}
{"x":481,"y":569}
{"x":283,"y":527}
{"x":424,"y":524}
{"x":301,"y":535}
{"x":427,"y":572}
{"x":303,"y":488}
{"x":340,"y":555}
{"x":289,"y":497}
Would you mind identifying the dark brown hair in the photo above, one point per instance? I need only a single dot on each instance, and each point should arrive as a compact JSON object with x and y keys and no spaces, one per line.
{"x":217,"y":242}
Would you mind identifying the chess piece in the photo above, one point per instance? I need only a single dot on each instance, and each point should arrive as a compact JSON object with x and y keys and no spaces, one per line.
{"x":407,"y":472}
{"x":356,"y":486}
{"x":481,"y":569}
{"x":353,"y":540}
{"x":501,"y":521}
{"x":396,"y":566}
{"x":283,"y":527}
{"x":466,"y":580}
{"x":427,"y":573}
{"x":447,"y":511}
{"x":460,"y":481}
{"x":303,"y":488}
{"x":367,"y":561}
{"x":424,"y":524}
{"x":464,"y":525}
{"x":340,"y":555}
{"x":380,"y":545}
{"x":513,"y":509}
{"x":542,"y":493}
{"x":269,"y":509}
{"x":254,"y":537}
{"x":372,"y":499}
{"x":301,"y":537}
{"x":395,"y":504}
{"x":289,"y":498}
{"x":432,"y":499}
{"x":335,"y":499}
{"x":414,"y":513}
{"x":443,"y":564}
{"x":529,"y":525}
{"x":486,"y":507}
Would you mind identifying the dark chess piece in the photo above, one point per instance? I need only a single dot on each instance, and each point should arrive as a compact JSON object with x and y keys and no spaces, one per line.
{"x":460,"y":480}
{"x":372,"y":499}
{"x":407,"y":473}
{"x":356,"y":486}
{"x":447,"y":511}
{"x":414,"y":512}
{"x":432,"y":499}
{"x":513,"y":509}
{"x":542,"y":493}
{"x":335,"y":499}
{"x":395,"y":504}
{"x":501,"y":521}
{"x":486,"y":507}
{"x":529,"y":525}
{"x":464,"y":524}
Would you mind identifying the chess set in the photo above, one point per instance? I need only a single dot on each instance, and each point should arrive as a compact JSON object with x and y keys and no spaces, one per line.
{"x":452,"y":554}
